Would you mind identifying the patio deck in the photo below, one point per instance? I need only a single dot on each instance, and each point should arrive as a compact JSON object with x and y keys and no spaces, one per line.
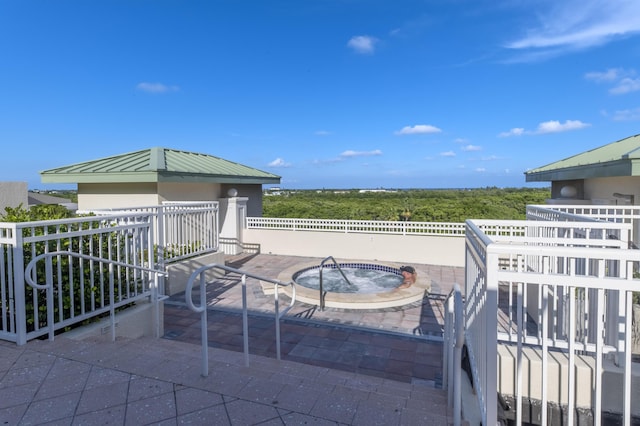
{"x":338,"y":367}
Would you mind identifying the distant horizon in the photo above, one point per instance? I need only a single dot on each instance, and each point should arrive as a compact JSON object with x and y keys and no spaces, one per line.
{"x":537,"y":185}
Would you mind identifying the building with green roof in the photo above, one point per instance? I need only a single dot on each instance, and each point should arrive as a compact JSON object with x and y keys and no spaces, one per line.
{"x":609,"y":174}
{"x":152,"y":176}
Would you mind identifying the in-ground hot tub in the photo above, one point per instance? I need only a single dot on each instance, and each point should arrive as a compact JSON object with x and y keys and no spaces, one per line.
{"x":373,"y":286}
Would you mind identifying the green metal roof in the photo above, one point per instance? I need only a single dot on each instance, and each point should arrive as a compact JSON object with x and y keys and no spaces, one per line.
{"x":158,"y":165}
{"x":621,"y":158}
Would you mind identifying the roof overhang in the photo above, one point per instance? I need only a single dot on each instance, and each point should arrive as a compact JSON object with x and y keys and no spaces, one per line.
{"x":154,"y":177}
{"x":623,"y":167}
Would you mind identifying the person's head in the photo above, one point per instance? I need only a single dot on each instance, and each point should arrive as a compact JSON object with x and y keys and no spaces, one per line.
{"x":407,"y":271}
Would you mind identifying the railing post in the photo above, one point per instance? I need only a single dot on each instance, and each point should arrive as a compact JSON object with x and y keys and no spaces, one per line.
{"x":19,"y":302}
{"x":491,"y":327}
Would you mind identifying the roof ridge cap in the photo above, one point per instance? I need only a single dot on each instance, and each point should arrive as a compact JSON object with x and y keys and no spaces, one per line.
{"x":157,"y":159}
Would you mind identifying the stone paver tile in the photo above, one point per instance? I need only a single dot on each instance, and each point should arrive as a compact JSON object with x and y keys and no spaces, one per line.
{"x":48,"y":410}
{"x":296,"y":419}
{"x":191,"y":399}
{"x":22,"y":375}
{"x":285,"y":378}
{"x":151,"y":410}
{"x":299,"y":398}
{"x":65,"y":367}
{"x":340,"y":408}
{"x":216,"y":415}
{"x":225,"y":382}
{"x":31,"y":358}
{"x":394,"y":387}
{"x":102,"y":397}
{"x":8,"y":356}
{"x":106,"y":376}
{"x":248,"y":413}
{"x":108,"y":416}
{"x":60,"y":385}
{"x":302,"y":351}
{"x":411,"y":417}
{"x":371,"y":413}
{"x":260,"y":390}
{"x":17,"y":395}
{"x":144,"y":387}
{"x":12,"y":415}
{"x":396,"y":401}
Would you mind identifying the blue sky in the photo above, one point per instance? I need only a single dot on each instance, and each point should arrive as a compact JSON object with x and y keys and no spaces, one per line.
{"x":325,"y":93}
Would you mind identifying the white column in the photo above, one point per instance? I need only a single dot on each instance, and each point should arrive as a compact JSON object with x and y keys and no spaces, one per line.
{"x":233,"y":212}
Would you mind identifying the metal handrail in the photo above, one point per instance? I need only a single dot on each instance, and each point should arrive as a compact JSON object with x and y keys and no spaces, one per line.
{"x":48,"y":286}
{"x":202,"y":308}
{"x":321,"y":287}
{"x":452,"y":353}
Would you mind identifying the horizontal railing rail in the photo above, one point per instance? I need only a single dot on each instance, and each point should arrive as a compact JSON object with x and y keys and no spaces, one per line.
{"x":358,"y":226}
{"x":199,"y":276}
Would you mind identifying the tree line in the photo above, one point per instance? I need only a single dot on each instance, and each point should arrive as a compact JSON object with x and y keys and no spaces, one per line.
{"x":417,"y":205}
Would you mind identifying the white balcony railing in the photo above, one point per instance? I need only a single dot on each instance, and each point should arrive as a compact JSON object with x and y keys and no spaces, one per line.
{"x":558,"y":287}
{"x":130,"y":248}
{"x":358,"y":226}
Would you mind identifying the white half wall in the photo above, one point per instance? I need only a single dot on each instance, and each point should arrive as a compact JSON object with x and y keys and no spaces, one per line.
{"x":428,"y":250}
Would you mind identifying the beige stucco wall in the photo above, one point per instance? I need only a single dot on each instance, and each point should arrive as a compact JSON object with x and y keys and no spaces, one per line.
{"x":120,"y":195}
{"x":430,"y":250}
{"x":12,"y":194}
{"x":601,"y":190}
{"x":171,"y":191}
{"x":116,"y":195}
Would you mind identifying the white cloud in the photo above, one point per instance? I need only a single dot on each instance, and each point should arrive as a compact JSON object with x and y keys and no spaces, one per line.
{"x":279,"y":162}
{"x":551,"y":126}
{"x":516,"y":131}
{"x":612,"y":74}
{"x":156,"y":88}
{"x":627,"y":115}
{"x":471,"y":148}
{"x":362,"y":44}
{"x":448,"y":154}
{"x":626,"y":85}
{"x":481,"y":170}
{"x":577,"y":24}
{"x":418,"y":129}
{"x":490,"y":158}
{"x":351,"y":153}
{"x":554,"y":126}
{"x":322,"y":133}
{"x":624,"y":81}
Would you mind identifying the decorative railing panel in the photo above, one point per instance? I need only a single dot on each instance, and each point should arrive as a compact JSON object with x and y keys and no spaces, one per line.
{"x":358,"y":226}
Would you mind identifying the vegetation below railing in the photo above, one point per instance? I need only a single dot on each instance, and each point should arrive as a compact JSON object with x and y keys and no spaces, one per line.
{"x":81,"y":287}
{"x":417,"y":205}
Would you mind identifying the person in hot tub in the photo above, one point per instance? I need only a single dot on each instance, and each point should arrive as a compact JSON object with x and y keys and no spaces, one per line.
{"x":409,"y":276}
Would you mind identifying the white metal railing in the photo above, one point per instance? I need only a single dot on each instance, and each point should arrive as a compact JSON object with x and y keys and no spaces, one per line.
{"x":453,"y":342}
{"x":81,"y":288}
{"x":358,"y":226}
{"x":629,"y":214}
{"x":142,"y":237}
{"x":183,"y":228}
{"x":57,"y":289}
{"x":199,"y":277}
{"x":556,"y":295}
